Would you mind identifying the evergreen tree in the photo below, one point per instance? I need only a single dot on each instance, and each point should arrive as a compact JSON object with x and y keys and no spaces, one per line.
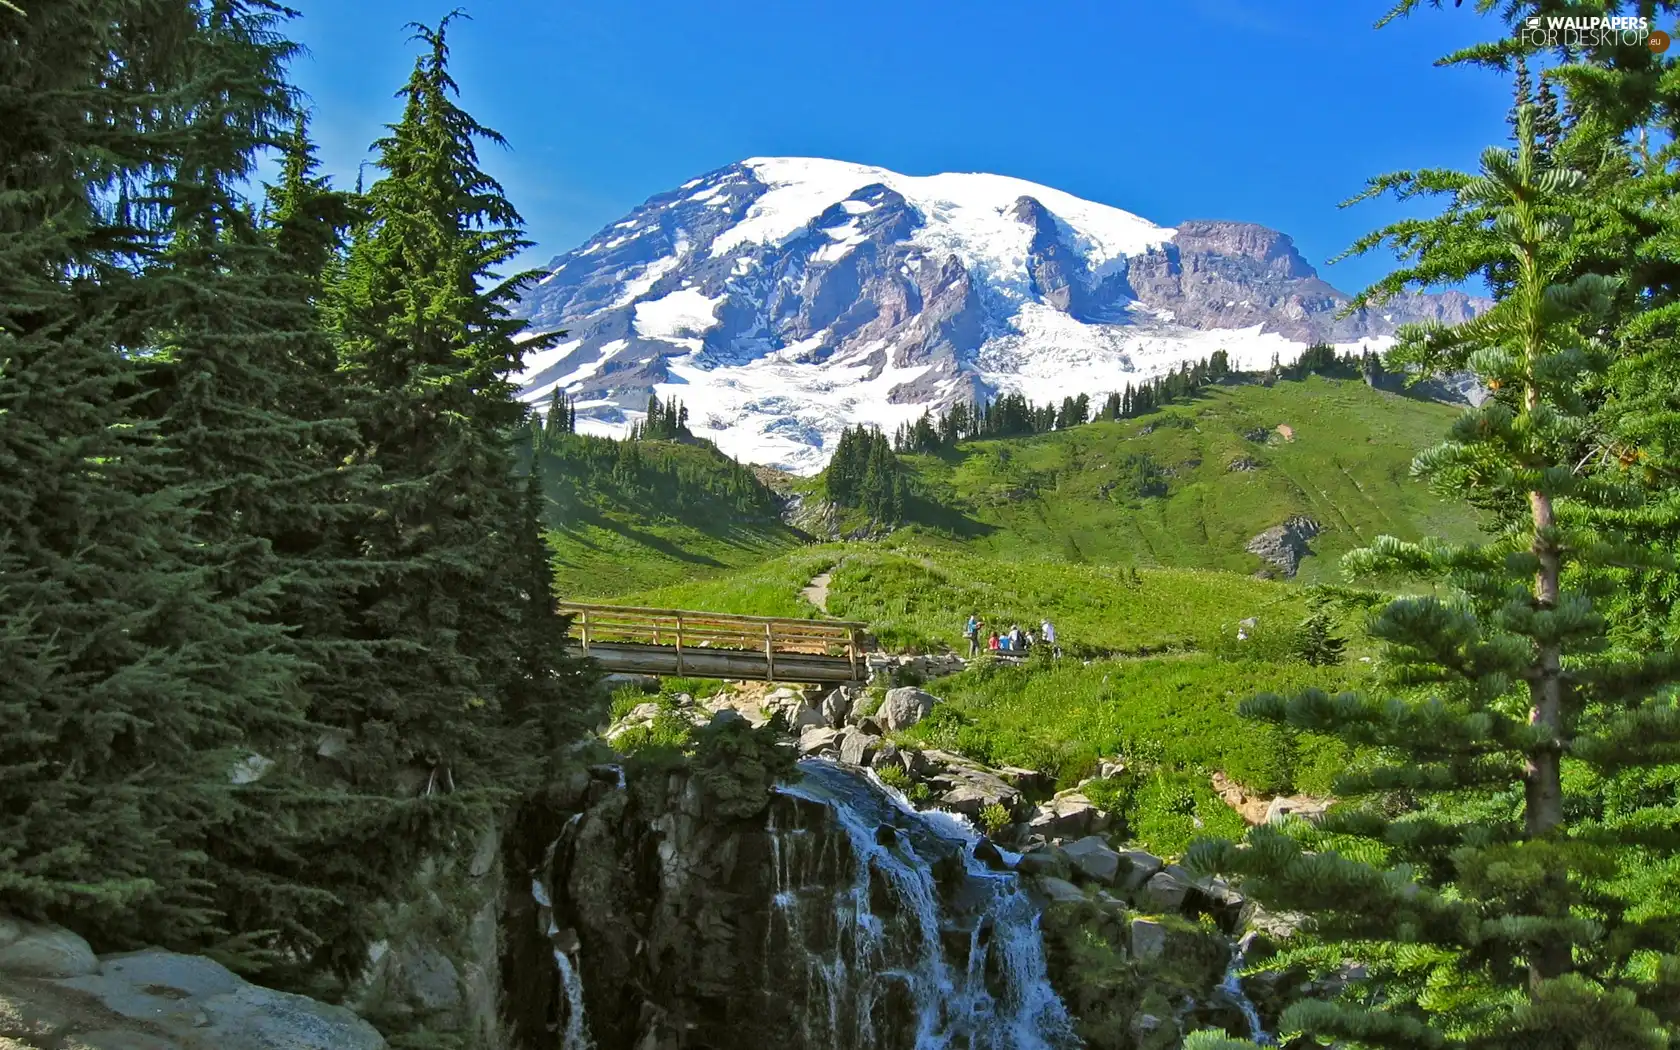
{"x":1317,"y":644}
{"x":274,"y":853}
{"x":557,"y":420}
{"x":437,"y":728}
{"x":132,"y":672}
{"x":1477,"y":879}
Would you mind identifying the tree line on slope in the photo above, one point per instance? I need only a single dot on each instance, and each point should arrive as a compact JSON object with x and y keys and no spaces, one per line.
{"x":1013,"y":415}
{"x":1507,"y":866}
{"x":276,"y":617}
{"x":645,"y":474}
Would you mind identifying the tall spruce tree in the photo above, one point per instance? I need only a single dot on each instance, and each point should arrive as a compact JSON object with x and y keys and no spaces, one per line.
{"x":133,"y":670}
{"x":1469,"y":864}
{"x":435,"y":728}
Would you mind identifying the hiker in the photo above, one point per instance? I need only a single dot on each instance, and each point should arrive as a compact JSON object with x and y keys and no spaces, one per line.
{"x":1014,"y":637}
{"x":1048,"y":633}
{"x":993,"y":643}
{"x":971,"y":631}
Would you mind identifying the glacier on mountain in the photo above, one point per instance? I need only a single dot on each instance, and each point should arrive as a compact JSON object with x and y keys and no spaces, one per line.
{"x":782,"y":299}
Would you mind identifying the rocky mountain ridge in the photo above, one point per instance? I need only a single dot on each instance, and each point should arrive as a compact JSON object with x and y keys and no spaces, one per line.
{"x":785,"y":298}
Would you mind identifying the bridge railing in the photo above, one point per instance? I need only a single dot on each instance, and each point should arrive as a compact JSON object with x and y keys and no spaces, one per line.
{"x":685,"y":629}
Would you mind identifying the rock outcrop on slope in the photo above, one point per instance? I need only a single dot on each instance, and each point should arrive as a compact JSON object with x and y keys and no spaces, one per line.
{"x":1285,"y":545}
{"x":1234,"y":275}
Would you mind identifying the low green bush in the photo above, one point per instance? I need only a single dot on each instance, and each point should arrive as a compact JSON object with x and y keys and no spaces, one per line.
{"x":895,"y":777}
{"x":994,"y":819}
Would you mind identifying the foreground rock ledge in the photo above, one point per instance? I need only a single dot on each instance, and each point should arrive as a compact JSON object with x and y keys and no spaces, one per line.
{"x":55,"y":994}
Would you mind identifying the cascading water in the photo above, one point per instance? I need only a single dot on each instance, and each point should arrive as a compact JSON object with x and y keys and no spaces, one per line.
{"x":925,"y":947}
{"x":574,"y":1035}
{"x":1232,"y":989}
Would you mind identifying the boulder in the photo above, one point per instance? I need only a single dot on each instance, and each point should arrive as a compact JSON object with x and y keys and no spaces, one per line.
{"x":1278,"y":925}
{"x":886,"y":754}
{"x":1060,"y":889}
{"x":1149,"y":939}
{"x":1164,"y":893}
{"x":250,"y":768}
{"x":1285,"y":545}
{"x":1068,"y":815}
{"x":905,"y":707}
{"x":971,"y":799}
{"x":44,"y":951}
{"x":156,"y":1000}
{"x":640,"y":715}
{"x":987,"y":853}
{"x":915,"y":763}
{"x":1092,"y":858}
{"x":836,"y":707}
{"x":1137,"y":867}
{"x":1044,"y":860}
{"x":1028,"y":780}
{"x":1252,"y":808}
{"x":1147,"y":1029}
{"x":816,"y":739}
{"x":726,"y":715}
{"x":798,"y":711}
{"x":1282,"y":808}
{"x":421,"y":976}
{"x":857,"y":748}
{"x":861,"y":706}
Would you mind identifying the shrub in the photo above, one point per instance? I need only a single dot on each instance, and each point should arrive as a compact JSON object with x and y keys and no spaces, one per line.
{"x":895,"y":777}
{"x":995,"y":819}
{"x":625,"y":699}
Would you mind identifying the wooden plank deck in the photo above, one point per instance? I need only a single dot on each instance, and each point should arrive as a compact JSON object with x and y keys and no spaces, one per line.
{"x":696,"y":644}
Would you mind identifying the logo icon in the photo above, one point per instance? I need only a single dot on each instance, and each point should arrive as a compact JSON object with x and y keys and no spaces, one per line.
{"x":1657,"y":41}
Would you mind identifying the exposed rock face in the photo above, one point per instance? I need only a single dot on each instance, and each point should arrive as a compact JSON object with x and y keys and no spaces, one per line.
{"x":1218,"y":274}
{"x":55,"y":993}
{"x":1266,"y":809}
{"x":1285,"y":545}
{"x":829,"y":919}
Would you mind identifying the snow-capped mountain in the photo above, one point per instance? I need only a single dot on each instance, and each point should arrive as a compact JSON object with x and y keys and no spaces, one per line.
{"x":784,"y":298}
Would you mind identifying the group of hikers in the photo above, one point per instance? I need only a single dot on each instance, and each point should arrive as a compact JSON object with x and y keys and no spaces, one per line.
{"x":1014,"y":640}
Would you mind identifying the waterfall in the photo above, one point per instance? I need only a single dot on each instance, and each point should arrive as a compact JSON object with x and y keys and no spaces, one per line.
{"x":575,"y":1035}
{"x":900,"y":956}
{"x":1232,"y":989}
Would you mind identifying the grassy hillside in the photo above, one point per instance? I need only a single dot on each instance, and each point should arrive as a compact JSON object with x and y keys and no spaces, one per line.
{"x":630,"y":515}
{"x":1154,"y":492}
{"x":1160,"y":490}
{"x":916,"y":595}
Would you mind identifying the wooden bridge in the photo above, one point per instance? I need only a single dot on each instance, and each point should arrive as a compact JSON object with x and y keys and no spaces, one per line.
{"x":717,"y":645}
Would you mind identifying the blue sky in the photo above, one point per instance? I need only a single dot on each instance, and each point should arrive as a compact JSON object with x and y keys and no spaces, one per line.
{"x":1271,"y":111}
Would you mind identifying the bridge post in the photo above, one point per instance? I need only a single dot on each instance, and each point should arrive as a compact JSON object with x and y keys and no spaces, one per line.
{"x":770,"y":652}
{"x":679,"y":645}
{"x":584,"y":617}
